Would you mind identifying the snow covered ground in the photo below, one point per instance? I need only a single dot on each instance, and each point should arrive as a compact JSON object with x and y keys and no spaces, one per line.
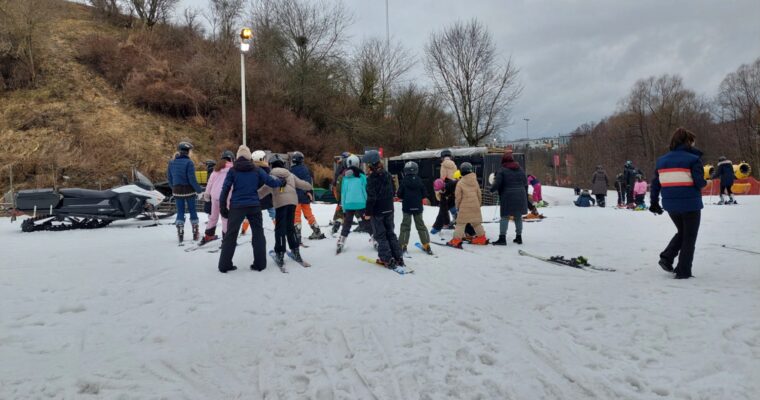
{"x":123,"y":313}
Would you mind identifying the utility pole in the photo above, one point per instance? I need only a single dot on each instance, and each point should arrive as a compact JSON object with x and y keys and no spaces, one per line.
{"x":527,"y":134}
{"x":387,"y":26}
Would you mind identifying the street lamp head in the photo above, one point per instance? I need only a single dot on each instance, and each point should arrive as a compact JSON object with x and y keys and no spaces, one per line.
{"x":244,"y":47}
{"x":246,"y":34}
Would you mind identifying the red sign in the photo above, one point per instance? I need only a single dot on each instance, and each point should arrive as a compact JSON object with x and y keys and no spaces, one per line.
{"x":380,"y":150}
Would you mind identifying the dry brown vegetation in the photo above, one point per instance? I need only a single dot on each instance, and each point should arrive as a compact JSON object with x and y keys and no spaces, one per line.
{"x":74,"y":124}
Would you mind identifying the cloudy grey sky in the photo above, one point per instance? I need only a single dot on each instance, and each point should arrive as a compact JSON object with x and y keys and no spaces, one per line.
{"x":578,"y":58}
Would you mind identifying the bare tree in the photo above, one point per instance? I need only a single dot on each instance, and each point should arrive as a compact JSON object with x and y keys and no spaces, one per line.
{"x":223,"y":16}
{"x":463,"y":63}
{"x":739,"y":101}
{"x":309,"y":36}
{"x":420,"y":121}
{"x":190,"y":17}
{"x":655,"y":107}
{"x":378,"y":67}
{"x":151,"y":12}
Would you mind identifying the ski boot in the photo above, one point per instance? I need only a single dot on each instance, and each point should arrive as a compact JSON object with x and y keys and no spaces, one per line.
{"x":479,"y":240}
{"x":181,"y":233}
{"x":501,"y":242}
{"x":390,"y":264}
{"x":298,"y":233}
{"x":434,"y":231}
{"x":341,"y":243}
{"x":297,"y":255}
{"x":518,"y":239}
{"x":731,"y":199}
{"x":279,"y":259}
{"x":316,"y":234}
{"x":399,"y":262}
{"x":196,"y":233}
{"x":455,"y":242}
{"x":426,"y":248}
{"x":208,"y":236}
{"x":336,"y":226}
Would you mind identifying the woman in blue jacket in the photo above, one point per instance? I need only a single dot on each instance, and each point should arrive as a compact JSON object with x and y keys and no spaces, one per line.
{"x":679,"y":175}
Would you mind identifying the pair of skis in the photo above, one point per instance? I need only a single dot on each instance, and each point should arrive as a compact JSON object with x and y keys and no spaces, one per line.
{"x":577,"y":262}
{"x":292,"y":256}
{"x":376,"y":261}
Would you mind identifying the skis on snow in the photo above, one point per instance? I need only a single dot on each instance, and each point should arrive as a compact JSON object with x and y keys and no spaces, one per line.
{"x":201,"y":244}
{"x":293,"y":257}
{"x":377,"y":262}
{"x":579,"y":262}
{"x":279,"y":263}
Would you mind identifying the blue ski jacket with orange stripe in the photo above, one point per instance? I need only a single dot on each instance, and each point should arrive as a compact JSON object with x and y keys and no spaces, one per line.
{"x":679,"y":175}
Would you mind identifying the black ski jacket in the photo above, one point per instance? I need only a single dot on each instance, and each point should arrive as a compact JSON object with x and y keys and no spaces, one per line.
{"x":379,"y":193}
{"x":411,"y":191}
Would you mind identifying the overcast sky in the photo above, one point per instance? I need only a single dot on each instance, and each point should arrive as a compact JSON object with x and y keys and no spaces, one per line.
{"x":578,"y":58}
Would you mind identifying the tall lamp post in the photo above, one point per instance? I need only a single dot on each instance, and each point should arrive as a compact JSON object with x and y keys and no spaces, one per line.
{"x":527,"y":134}
{"x":245,"y":44}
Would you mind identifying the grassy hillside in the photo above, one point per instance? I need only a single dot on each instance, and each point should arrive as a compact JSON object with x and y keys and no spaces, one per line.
{"x":75,"y":124}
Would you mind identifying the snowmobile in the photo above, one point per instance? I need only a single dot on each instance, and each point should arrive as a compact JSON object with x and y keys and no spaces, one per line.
{"x":65,"y":209}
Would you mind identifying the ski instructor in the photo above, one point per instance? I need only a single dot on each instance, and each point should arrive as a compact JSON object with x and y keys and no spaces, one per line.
{"x":679,"y":176}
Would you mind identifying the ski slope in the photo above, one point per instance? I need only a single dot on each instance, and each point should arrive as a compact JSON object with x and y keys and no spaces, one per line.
{"x":123,"y":313}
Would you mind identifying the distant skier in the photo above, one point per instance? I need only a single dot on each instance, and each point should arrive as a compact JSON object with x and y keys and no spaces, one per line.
{"x":468,"y":199}
{"x":240,"y":191}
{"x":449,"y":173}
{"x":584,"y":200}
{"x":679,"y":175}
{"x":285,"y":200}
{"x":629,"y":177}
{"x":211,"y":195}
{"x":619,"y":187}
{"x":411,"y":191}
{"x":725,"y":172}
{"x":599,"y":184}
{"x":538,"y":199}
{"x":640,"y":192}
{"x":210,"y":165}
{"x":185,"y":189}
{"x":380,"y":211}
{"x":512,"y":185}
{"x":301,"y":171}
{"x":353,"y":197}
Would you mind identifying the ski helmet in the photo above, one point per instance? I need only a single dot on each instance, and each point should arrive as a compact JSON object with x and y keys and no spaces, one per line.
{"x":465,"y":168}
{"x":353,"y":161}
{"x":411,"y":168}
{"x":228,"y":155}
{"x":259,"y":155}
{"x":445,"y":153}
{"x":184,"y":147}
{"x":297,"y":157}
{"x":438,"y":185}
{"x":371,"y":157}
{"x":457,"y":175}
{"x":721,"y":158}
{"x":628,"y":163}
{"x":276,"y":161}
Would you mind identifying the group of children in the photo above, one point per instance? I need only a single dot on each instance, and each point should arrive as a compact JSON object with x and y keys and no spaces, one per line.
{"x":242,"y":185}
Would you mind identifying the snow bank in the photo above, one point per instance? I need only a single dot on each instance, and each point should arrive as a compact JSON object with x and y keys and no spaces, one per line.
{"x":124,"y":313}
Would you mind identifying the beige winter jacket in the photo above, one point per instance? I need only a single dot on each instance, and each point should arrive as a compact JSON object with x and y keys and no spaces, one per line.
{"x":286,"y":195}
{"x":468,"y":200}
{"x":448,"y":168}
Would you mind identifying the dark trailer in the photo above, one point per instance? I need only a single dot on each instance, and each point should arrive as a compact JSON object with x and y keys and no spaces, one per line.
{"x":485,"y":160}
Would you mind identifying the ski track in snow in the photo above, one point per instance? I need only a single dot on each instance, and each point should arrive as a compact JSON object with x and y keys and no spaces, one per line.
{"x":124,"y":313}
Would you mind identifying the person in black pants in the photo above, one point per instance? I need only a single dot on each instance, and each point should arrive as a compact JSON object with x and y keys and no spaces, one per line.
{"x":680,"y":177}
{"x":629,"y":178}
{"x":379,"y":210}
{"x":240,"y":186}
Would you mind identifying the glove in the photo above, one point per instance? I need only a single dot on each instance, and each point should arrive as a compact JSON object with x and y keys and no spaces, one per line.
{"x":491,"y":178}
{"x":348,"y":173}
{"x":199,"y":196}
{"x":224,"y":212}
{"x":655,"y":208}
{"x":206,"y":197}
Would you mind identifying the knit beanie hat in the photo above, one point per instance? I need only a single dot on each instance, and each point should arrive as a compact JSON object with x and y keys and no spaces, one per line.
{"x":244,"y":151}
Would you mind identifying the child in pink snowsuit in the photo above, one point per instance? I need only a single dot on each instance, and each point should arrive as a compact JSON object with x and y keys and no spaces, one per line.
{"x":212,"y":193}
{"x":536,"y":188}
{"x":640,"y":191}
